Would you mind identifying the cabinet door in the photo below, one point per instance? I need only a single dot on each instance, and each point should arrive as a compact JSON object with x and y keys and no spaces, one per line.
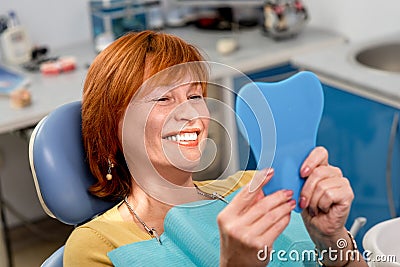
{"x":356,"y":132}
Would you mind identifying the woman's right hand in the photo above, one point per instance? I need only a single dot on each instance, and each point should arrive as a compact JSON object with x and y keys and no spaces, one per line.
{"x":252,"y":222}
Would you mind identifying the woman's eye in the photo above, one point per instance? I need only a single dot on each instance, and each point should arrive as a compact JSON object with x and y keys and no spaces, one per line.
{"x":195,"y":97}
{"x":161,"y":99}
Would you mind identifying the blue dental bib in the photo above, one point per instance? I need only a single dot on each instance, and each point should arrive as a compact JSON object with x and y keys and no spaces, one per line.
{"x":191,"y":238}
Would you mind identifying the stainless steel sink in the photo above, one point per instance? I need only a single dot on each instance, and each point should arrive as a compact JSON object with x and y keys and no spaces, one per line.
{"x":384,"y":57}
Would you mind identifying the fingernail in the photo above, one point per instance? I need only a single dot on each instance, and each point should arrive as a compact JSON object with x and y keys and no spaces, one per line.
{"x":292,"y":203}
{"x":289,"y":193}
{"x":258,"y":179}
{"x":305,"y":171}
{"x":303,"y":202}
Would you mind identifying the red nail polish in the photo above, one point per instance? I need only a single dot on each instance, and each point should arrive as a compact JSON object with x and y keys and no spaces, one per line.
{"x":292,"y":203}
{"x":305,"y":171}
{"x":289,"y":193}
{"x":303,"y":202}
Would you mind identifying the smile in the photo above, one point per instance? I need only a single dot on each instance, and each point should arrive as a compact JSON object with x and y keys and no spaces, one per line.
{"x":183,"y":137}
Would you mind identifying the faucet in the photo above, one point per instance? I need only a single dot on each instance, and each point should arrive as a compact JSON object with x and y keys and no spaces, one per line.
{"x":358,"y":223}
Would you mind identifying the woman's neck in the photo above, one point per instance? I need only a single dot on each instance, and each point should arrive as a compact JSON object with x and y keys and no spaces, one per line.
{"x":149,"y":209}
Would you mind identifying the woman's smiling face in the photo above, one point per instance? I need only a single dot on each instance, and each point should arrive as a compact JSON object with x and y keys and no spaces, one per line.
{"x":176,"y":127}
{"x":173,"y":123}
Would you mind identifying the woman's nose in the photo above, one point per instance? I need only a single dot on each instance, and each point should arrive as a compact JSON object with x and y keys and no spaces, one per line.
{"x":186,"y":111}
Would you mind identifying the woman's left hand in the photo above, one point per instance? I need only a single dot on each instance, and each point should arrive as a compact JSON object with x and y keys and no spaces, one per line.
{"x":326,"y":197}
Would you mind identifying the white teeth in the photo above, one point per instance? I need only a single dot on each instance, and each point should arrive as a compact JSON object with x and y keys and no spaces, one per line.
{"x":182,"y":137}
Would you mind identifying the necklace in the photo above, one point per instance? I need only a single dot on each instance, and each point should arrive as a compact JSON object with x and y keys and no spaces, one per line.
{"x":152,"y":231}
{"x":214,"y":195}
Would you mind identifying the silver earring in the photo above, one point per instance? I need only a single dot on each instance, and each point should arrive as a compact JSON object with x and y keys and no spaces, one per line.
{"x":110,"y":166}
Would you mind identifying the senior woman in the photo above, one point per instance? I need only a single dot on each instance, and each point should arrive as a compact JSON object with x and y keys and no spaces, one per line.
{"x":177,"y":119}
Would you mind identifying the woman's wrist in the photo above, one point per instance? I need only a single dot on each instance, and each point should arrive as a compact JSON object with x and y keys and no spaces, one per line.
{"x":338,"y":250}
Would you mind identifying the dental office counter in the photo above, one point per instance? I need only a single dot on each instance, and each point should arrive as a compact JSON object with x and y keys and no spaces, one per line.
{"x":338,"y":65}
{"x":48,"y":91}
{"x":256,"y":51}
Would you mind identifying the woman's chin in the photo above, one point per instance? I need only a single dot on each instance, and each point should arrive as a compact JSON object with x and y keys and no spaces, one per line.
{"x":187,"y":164}
{"x":186,"y":158}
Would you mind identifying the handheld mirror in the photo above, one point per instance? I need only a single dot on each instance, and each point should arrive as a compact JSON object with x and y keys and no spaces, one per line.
{"x":280,"y":122}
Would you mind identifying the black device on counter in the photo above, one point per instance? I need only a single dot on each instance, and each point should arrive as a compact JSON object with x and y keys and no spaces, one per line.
{"x":39,"y":56}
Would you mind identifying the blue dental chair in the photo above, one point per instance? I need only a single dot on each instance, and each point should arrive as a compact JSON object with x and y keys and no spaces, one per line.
{"x":62,"y":177}
{"x":60,"y":172}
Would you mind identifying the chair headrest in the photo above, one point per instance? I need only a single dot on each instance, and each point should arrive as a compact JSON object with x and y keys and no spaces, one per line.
{"x":61,"y":174}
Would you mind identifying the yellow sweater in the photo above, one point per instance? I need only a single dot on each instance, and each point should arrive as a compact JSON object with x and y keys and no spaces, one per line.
{"x":89,"y":244}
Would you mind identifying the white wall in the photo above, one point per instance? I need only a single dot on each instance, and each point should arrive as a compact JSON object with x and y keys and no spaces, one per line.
{"x":52,"y":22}
{"x":57,"y":23}
{"x":358,"y":20}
